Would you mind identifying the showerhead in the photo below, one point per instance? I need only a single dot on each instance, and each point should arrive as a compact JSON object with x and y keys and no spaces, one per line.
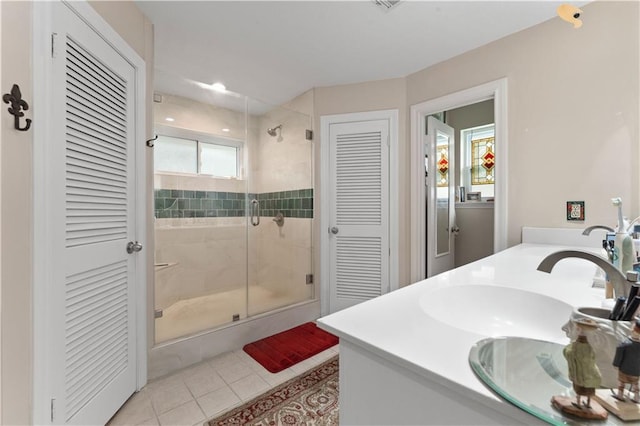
{"x":273,"y":131}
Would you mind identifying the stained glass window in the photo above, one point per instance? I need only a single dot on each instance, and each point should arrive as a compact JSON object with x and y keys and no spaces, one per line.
{"x":478,"y":160}
{"x":443,"y":165}
{"x":483,"y":161}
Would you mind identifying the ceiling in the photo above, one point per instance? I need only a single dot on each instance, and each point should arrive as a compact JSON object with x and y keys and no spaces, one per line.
{"x":275,"y":50}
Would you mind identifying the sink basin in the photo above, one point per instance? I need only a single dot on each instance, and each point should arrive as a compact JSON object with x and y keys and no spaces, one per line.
{"x":499,"y":311}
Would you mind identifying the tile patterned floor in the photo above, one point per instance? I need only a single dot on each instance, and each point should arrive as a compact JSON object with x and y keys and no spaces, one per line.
{"x":198,"y":393}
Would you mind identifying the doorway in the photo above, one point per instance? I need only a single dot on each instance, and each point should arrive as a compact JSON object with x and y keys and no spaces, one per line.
{"x":496,"y":90}
{"x":359,"y":207}
{"x":89,"y":173}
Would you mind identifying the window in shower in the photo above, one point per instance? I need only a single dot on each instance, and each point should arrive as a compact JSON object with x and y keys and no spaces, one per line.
{"x":218,"y":160}
{"x":212,"y":156}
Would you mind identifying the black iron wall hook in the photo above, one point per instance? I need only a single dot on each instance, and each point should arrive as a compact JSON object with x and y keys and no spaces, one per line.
{"x":17,"y":104}
{"x":151,"y":142}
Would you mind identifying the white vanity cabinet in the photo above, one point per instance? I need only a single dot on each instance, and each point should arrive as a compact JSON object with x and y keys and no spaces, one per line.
{"x":376,"y":391}
{"x":401,"y":366}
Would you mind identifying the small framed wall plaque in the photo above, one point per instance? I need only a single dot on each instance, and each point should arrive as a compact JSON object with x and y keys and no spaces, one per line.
{"x":575,"y":210}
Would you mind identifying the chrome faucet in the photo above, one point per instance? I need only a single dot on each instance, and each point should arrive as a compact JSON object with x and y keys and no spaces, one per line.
{"x":621,"y":286}
{"x":588,"y":230}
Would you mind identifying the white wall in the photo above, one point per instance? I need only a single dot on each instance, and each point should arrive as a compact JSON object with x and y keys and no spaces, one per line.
{"x":572,"y":113}
{"x":16,"y":184}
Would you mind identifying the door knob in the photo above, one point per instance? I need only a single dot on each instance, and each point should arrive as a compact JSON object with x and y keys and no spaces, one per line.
{"x":334,"y":230}
{"x":133,"y":247}
{"x":455,"y":230}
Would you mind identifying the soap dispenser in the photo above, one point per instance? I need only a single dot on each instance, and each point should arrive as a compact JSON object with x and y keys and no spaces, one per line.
{"x":623,"y":246}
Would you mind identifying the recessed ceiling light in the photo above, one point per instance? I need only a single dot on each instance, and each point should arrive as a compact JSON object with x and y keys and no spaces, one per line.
{"x":170,"y":119}
{"x":226,"y":130}
{"x":218,"y":87}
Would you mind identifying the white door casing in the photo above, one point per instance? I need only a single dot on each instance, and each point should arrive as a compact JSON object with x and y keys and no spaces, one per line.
{"x":93,"y":289}
{"x":440,"y":236}
{"x":496,"y":90}
{"x":358,"y":225}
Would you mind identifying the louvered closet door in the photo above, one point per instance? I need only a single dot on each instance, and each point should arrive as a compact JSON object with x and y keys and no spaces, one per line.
{"x":359,"y":223}
{"x":92,"y":217}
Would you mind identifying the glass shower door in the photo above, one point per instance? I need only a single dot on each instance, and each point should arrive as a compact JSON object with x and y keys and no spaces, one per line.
{"x":200,"y":221}
{"x":281,"y":208}
{"x":233,"y":212}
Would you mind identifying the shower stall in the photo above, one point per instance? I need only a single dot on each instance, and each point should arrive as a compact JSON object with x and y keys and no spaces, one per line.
{"x":233,"y":188}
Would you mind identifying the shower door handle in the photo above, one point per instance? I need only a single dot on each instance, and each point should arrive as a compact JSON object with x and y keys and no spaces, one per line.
{"x":255,"y":212}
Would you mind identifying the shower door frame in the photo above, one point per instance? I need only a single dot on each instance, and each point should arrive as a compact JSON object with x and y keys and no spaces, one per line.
{"x":279,"y":127}
{"x":250,"y":147}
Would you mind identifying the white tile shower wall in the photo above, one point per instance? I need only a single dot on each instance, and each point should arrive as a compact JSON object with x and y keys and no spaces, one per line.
{"x":283,"y":258}
{"x":201,"y":117}
{"x":209,"y":256}
{"x":284,"y":161}
{"x":197,"y":183}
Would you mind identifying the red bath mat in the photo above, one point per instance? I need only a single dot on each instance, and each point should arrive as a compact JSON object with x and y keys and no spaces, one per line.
{"x":282,"y":350}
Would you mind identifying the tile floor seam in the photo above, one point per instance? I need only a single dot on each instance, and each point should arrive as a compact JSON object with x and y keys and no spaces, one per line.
{"x":195,"y":399}
{"x":235,"y":393}
{"x":202,"y":409}
{"x":204,"y":415}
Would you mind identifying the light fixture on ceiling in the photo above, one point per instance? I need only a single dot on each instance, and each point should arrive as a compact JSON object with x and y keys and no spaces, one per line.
{"x":218,"y":87}
{"x":386,"y":4}
{"x":226,"y":130}
{"x":170,"y":119}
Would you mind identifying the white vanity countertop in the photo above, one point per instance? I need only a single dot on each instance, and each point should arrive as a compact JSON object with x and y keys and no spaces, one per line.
{"x":397,"y":328}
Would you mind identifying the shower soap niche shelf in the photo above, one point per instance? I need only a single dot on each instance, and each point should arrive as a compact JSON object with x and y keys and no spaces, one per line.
{"x":164,"y":265}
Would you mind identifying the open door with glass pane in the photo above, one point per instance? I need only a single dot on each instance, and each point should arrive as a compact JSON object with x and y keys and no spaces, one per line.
{"x":441,"y":228}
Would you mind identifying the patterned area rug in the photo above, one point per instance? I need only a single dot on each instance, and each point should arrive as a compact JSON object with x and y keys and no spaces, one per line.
{"x":309,"y":399}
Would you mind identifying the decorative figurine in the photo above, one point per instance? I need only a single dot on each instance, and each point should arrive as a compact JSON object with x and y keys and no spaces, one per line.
{"x":584,"y":374}
{"x":627,"y":361}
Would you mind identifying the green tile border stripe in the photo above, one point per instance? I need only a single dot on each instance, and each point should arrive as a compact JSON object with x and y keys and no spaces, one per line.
{"x":178,"y":203}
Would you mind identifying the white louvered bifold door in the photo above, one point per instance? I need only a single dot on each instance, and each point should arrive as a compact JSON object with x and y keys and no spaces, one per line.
{"x":359,"y":229}
{"x":92,"y":295}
